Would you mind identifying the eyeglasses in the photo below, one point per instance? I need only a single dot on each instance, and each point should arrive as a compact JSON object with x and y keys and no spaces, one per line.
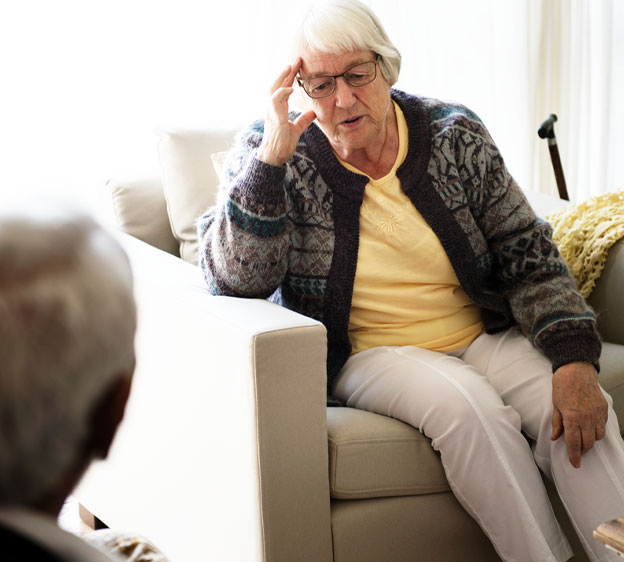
{"x":358,"y":75}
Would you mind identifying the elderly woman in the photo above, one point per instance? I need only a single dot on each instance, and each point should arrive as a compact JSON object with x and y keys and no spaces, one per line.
{"x":392,"y":219}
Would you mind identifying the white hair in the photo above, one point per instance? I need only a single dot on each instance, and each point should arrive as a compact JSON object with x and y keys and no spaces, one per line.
{"x":338,"y":26}
{"x":67,"y":325}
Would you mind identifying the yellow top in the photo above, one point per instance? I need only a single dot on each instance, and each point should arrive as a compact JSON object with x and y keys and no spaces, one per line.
{"x":406,"y":291}
{"x":584,"y":233}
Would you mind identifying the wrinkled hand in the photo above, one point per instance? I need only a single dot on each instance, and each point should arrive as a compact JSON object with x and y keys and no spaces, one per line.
{"x":281,"y":135}
{"x":580,"y":409}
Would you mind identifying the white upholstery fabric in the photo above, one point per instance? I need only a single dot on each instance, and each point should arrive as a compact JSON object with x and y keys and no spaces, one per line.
{"x":189,"y":179}
{"x":206,"y":462}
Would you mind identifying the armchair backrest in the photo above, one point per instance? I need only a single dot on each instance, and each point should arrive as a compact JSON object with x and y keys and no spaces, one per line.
{"x":162,"y":210}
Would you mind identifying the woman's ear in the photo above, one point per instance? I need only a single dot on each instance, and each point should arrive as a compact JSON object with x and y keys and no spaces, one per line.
{"x":107,"y":415}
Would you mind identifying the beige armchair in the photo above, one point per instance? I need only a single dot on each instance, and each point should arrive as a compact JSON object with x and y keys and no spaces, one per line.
{"x":228,"y":452}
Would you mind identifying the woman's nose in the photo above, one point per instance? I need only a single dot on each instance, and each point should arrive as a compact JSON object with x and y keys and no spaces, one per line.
{"x":343,"y":95}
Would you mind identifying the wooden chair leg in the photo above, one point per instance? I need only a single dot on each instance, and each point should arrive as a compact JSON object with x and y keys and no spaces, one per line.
{"x":89,"y":519}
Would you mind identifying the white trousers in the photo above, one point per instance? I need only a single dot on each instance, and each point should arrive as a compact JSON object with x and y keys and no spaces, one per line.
{"x":473,"y":405}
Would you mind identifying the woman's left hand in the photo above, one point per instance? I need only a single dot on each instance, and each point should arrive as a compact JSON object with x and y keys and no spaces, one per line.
{"x":580,"y":409}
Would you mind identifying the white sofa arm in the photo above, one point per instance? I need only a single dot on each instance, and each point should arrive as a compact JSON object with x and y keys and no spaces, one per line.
{"x":222,"y":454}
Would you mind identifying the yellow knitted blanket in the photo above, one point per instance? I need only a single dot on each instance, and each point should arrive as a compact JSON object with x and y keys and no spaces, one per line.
{"x":585,"y":232}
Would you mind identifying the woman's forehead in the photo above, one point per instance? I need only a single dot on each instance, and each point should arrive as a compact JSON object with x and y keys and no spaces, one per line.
{"x":317,"y":64}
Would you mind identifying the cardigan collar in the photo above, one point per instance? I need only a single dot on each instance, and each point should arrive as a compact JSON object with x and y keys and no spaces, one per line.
{"x":351,"y":185}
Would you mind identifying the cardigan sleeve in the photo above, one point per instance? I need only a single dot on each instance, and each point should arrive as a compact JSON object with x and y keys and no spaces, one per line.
{"x":244,"y":239}
{"x":530,"y":271}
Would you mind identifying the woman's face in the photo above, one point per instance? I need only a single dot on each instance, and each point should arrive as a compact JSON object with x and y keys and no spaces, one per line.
{"x":351,"y":118}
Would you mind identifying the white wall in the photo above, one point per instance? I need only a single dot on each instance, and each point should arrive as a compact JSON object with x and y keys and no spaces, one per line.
{"x":84,"y":83}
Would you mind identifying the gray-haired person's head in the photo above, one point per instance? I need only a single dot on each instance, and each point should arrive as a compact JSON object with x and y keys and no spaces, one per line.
{"x":338,"y":26}
{"x":67,"y":325}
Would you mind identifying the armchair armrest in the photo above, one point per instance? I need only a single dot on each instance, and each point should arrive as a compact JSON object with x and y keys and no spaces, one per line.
{"x":607,"y":298}
{"x":222,"y":454}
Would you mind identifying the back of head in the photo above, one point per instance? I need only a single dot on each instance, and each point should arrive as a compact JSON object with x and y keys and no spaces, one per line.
{"x":67,"y":324}
{"x":338,"y":26}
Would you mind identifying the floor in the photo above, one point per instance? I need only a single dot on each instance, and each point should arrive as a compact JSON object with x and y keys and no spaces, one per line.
{"x":125,"y":546}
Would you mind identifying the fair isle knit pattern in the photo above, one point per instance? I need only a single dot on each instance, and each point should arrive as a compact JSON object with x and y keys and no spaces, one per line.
{"x":291,"y":232}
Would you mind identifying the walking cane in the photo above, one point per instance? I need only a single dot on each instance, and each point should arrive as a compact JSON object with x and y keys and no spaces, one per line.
{"x":547,"y":131}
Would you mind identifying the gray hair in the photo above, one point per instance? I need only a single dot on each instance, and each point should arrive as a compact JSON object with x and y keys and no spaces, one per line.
{"x":67,"y":325}
{"x":338,"y":26}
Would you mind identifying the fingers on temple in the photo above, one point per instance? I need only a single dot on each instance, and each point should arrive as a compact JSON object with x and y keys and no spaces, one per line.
{"x":281,"y":79}
{"x":287,"y":77}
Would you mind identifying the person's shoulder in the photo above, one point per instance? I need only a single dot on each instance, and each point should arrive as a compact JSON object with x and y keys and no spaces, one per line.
{"x":449,"y":113}
{"x":440,"y":113}
{"x":23,"y":547}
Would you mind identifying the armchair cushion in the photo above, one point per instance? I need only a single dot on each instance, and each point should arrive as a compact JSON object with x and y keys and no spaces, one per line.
{"x":372,"y":456}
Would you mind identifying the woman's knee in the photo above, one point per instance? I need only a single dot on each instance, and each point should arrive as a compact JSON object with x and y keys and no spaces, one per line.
{"x":431,"y":391}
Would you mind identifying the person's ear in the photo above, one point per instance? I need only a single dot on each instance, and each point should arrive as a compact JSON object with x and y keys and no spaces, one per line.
{"x":106,"y":416}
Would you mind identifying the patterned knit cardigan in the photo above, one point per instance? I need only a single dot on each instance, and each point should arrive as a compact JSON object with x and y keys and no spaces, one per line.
{"x":291,"y":233}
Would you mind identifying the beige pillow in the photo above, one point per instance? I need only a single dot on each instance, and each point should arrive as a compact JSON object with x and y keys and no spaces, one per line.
{"x":140,"y":210}
{"x":189,"y":179}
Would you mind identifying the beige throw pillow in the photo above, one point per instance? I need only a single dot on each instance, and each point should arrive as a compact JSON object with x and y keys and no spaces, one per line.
{"x":189,"y":179}
{"x":140,"y":210}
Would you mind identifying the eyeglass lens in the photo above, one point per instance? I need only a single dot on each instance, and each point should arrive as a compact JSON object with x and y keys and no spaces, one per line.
{"x":356,"y":76}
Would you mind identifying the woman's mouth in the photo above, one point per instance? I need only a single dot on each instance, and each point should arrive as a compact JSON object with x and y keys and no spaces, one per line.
{"x":352,"y":121}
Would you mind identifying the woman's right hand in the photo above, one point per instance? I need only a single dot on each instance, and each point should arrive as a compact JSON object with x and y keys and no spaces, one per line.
{"x":281,"y":135}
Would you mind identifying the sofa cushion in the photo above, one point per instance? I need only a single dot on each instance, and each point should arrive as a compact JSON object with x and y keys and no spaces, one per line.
{"x":372,"y":456}
{"x":189,"y":179}
{"x":140,"y":210}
